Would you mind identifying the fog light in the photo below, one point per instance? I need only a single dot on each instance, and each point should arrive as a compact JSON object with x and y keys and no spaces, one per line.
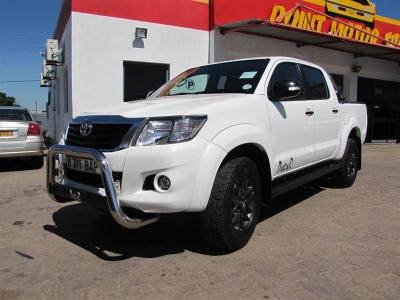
{"x":164,"y":183}
{"x":117,"y":185}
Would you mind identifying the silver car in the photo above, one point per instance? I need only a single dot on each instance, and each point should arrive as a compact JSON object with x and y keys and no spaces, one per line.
{"x":20,"y":136}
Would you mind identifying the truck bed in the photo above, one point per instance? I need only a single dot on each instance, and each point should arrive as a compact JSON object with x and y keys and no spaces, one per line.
{"x":357,"y":110}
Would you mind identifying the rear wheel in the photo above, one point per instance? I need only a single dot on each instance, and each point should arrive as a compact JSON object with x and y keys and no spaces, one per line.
{"x":37,"y":162}
{"x":347,"y":174}
{"x":234,"y":205}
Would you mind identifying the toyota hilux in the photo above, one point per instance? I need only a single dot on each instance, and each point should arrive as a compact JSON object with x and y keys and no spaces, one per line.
{"x":219,"y":139}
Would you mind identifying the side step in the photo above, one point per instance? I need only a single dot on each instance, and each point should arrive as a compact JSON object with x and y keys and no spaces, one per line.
{"x":297,"y":179}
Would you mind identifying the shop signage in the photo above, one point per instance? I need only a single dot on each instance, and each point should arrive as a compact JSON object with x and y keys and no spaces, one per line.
{"x":347,"y":19}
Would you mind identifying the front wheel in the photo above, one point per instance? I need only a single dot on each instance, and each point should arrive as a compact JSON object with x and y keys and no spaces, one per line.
{"x":234,"y":205}
{"x":347,"y":174}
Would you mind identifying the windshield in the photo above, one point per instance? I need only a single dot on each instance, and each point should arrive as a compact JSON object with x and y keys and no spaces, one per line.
{"x":230,"y":77}
{"x":362,"y":2}
{"x":14,"y":115}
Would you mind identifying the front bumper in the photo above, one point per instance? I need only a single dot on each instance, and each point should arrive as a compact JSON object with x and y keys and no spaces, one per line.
{"x":191,"y":167}
{"x":56,"y":188}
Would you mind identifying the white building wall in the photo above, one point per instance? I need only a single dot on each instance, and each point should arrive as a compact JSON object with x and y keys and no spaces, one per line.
{"x":238,"y":45}
{"x":59,"y":110}
{"x":101,"y":44}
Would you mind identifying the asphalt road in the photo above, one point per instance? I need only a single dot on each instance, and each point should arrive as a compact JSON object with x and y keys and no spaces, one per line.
{"x":313,"y":243}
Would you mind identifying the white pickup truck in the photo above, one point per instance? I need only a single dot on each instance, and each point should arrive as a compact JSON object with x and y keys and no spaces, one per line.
{"x":218,"y":139}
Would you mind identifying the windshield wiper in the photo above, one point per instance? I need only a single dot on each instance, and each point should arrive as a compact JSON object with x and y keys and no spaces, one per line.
{"x":180,"y":94}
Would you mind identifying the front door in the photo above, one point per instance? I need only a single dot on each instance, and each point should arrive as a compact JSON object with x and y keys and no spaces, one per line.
{"x":291,"y":123}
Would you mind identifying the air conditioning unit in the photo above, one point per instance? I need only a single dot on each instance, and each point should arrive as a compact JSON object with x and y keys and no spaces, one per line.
{"x":49,"y":71}
{"x":53,"y":55}
{"x":43,"y":82}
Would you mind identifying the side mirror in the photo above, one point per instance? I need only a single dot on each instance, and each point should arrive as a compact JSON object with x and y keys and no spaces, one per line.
{"x":285,"y":89}
{"x":39,"y":122}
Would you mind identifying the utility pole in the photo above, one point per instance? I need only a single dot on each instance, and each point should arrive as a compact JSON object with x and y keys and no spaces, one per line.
{"x":36,"y":110}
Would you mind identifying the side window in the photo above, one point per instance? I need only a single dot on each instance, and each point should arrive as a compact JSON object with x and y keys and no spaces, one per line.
{"x":316,"y":84}
{"x":285,"y":72}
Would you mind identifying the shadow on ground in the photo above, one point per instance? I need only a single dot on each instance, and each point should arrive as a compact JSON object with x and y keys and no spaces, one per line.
{"x":99,"y":234}
{"x":16,"y":164}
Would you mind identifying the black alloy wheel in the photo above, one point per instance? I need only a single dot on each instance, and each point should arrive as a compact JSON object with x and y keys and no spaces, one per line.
{"x":234,"y":205}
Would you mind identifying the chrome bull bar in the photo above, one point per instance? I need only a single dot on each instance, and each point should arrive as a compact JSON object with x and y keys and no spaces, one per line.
{"x":106,"y":174}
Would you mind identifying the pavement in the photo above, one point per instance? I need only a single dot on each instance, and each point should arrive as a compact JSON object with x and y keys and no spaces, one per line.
{"x":312,"y":243}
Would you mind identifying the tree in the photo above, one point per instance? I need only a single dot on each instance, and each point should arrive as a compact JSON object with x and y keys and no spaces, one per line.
{"x":6,"y":100}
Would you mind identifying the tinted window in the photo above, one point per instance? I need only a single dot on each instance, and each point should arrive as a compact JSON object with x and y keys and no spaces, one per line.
{"x":316,"y":84}
{"x":285,"y":72}
{"x":231,"y":77}
{"x":362,"y":2}
{"x":14,"y":115}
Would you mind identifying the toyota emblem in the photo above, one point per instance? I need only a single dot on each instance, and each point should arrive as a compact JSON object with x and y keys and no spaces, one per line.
{"x":86,"y":128}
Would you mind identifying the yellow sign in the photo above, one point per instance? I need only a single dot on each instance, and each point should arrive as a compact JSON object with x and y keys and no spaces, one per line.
{"x":362,"y":11}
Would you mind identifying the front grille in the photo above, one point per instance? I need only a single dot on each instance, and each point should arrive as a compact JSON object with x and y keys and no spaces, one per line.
{"x":90,"y":179}
{"x":103,"y":136}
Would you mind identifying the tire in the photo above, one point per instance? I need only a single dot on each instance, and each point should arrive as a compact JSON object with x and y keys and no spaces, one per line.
{"x":61,"y":199}
{"x":232,"y":213}
{"x":37,"y":162}
{"x":347,"y":174}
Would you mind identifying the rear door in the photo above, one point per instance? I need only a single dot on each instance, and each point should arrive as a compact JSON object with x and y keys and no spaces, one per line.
{"x":326,"y":108}
{"x":291,"y":123}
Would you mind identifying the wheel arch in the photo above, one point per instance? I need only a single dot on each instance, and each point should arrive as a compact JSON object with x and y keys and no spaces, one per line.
{"x":259,"y":156}
{"x":248,"y":140}
{"x":355,"y":134}
{"x":351,"y":132}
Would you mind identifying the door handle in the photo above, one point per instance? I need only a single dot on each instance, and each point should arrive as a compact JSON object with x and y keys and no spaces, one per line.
{"x":309,"y":113}
{"x":335,"y":110}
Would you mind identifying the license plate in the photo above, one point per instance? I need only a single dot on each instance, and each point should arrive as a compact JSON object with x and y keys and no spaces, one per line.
{"x":352,"y":11}
{"x":82,"y":165}
{"x":6,"y":133}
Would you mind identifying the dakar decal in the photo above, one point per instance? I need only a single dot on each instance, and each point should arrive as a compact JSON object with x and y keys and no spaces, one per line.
{"x":284,"y":166}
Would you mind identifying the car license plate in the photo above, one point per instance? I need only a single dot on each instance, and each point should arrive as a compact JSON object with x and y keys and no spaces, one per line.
{"x":352,"y":11}
{"x":82,"y":165}
{"x":6,"y":133}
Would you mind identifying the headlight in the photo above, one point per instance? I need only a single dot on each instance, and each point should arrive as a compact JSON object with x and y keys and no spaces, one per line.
{"x":171,"y":130}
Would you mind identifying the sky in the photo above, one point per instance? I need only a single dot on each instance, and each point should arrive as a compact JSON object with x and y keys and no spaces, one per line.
{"x":26,"y":24}
{"x":24,"y":27}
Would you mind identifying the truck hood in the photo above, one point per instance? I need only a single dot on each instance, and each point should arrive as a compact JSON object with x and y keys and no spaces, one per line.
{"x":167,"y":106}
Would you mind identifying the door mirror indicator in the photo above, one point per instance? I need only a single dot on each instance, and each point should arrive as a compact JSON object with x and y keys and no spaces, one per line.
{"x":285,"y":89}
